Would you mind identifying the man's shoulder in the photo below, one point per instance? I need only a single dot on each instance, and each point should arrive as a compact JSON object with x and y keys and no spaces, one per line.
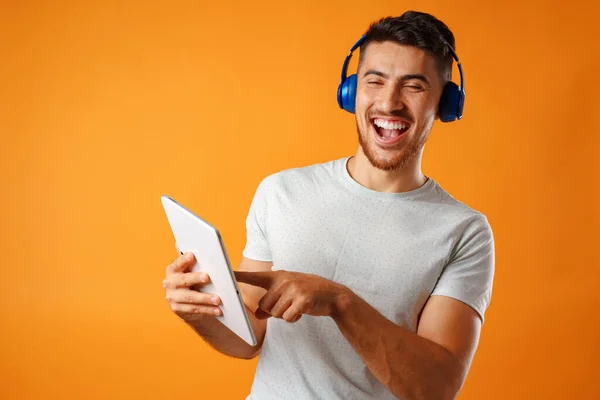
{"x":303,"y":175}
{"x":325,"y":167}
{"x":460,"y":208}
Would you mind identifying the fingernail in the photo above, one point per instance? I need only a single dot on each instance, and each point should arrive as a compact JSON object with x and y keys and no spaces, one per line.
{"x":214,"y":300}
{"x":188,"y":256}
{"x":217,"y":311}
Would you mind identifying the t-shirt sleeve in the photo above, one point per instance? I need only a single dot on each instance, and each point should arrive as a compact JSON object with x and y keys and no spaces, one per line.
{"x":257,"y":243}
{"x":469,"y":274}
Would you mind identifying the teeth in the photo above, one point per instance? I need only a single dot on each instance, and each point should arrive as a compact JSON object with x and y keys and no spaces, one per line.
{"x":389,"y":125}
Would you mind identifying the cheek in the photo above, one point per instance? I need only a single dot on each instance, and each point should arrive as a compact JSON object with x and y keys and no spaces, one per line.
{"x":363,"y":104}
{"x":362,"y":101}
{"x":366,"y":96}
{"x":424,"y":109}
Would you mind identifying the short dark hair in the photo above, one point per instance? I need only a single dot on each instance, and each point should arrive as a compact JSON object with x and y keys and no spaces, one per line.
{"x":418,"y":29}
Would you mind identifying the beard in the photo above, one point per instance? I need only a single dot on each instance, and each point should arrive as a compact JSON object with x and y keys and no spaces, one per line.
{"x":396,"y":159}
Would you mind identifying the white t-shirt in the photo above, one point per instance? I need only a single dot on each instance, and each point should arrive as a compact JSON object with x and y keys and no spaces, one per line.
{"x":392,"y":249}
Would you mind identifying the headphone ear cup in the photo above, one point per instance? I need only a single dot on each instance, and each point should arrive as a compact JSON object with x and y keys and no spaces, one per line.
{"x":347,"y":94}
{"x":449,"y":103}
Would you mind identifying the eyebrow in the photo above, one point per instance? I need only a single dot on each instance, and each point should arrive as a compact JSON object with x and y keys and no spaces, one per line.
{"x":404,"y":78}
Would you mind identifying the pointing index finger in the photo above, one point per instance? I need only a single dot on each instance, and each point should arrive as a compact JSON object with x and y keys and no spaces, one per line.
{"x":263,"y":279}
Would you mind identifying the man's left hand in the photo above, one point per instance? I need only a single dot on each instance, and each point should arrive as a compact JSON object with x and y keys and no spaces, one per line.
{"x":291,"y":294}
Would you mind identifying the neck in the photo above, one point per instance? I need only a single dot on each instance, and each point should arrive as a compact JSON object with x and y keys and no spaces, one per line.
{"x":405,"y":179}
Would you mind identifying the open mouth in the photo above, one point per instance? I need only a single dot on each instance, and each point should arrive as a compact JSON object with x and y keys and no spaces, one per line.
{"x":389,"y":132}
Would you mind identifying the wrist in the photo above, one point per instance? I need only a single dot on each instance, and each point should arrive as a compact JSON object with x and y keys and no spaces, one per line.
{"x":342,"y":302}
{"x":199,"y":322}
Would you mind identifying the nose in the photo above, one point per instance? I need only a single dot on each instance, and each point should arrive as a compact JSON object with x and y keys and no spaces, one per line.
{"x":391,"y":99}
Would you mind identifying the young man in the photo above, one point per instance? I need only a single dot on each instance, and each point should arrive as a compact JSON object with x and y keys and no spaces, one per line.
{"x":363,"y":278}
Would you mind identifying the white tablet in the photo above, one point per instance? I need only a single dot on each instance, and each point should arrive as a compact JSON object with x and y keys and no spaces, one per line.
{"x":194,"y":234}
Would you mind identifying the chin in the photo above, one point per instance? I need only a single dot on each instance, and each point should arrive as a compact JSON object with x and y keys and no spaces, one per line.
{"x":390,"y":158}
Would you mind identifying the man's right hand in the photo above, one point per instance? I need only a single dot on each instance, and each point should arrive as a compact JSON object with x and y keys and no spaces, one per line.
{"x":189,"y":304}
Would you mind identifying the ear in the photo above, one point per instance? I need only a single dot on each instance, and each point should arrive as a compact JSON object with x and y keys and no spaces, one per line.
{"x":437,"y":104}
{"x":437,"y":109}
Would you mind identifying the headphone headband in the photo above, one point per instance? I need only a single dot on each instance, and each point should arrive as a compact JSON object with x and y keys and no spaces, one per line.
{"x":458,"y":64}
{"x":349,"y":56}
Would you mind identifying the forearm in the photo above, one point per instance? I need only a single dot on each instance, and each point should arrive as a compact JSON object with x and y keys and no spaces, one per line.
{"x":410,"y":366}
{"x":222,"y":339}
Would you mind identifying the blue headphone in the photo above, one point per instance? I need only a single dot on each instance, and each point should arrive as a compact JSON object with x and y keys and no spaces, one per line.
{"x":451,"y":103}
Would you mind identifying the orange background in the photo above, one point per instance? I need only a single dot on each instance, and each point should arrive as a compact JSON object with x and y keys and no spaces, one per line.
{"x":106,"y":106}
